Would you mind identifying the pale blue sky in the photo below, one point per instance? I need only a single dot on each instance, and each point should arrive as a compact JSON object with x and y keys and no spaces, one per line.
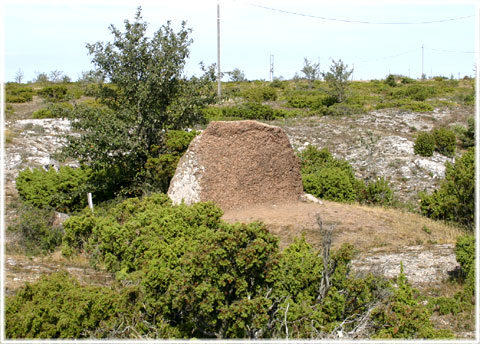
{"x":41,"y":36}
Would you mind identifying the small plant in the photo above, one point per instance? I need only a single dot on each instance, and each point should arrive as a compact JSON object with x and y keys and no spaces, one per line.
{"x":426,"y":229}
{"x":424,"y":144}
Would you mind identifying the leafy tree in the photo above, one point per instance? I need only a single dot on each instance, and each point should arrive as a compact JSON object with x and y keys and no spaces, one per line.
{"x":311,"y":71}
{"x":148,"y":94}
{"x":236,"y":75}
{"x":337,"y":80}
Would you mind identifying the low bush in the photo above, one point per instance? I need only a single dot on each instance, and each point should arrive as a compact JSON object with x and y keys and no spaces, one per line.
{"x":445,"y":141}
{"x":403,"y":316}
{"x":424,"y":144}
{"x":376,"y":192}
{"x":454,"y":201}
{"x":54,"y":110}
{"x":34,"y":231}
{"x":326,"y":177}
{"x":260,"y":94}
{"x":57,"y":306}
{"x":246,"y":111}
{"x":465,"y":255}
{"x":15,"y":93}
{"x":54,"y":93}
{"x":64,"y":190}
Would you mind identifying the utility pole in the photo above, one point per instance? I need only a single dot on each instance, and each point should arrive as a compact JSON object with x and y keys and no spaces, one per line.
{"x":271,"y":67}
{"x":219,"y":74}
{"x":423,"y":76}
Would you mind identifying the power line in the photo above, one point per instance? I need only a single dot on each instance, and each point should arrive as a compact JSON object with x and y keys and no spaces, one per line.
{"x":453,"y":51}
{"x":359,"y":21}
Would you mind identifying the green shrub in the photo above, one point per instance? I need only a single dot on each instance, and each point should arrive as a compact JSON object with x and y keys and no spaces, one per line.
{"x":161,"y":166}
{"x":54,"y":93}
{"x":57,"y":306}
{"x":326,"y":177}
{"x":465,"y":255}
{"x":260,"y":94}
{"x":377,"y":192}
{"x":390,"y":80}
{"x":467,"y":136}
{"x":63,"y":190}
{"x":445,"y":141}
{"x":424,"y":144}
{"x":54,"y":110}
{"x":446,"y":305}
{"x":331,"y":183}
{"x":455,"y":199}
{"x":35,"y":232}
{"x":402,"y":316}
{"x":16,"y":93}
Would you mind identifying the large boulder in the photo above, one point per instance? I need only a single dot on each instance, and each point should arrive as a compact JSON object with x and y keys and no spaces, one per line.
{"x":237,"y":164}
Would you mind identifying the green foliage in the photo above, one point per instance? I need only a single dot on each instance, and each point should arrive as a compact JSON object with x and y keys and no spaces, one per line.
{"x":148,"y":95}
{"x":377,"y":192}
{"x":34,"y":229}
{"x":159,"y":169}
{"x":54,"y":110}
{"x":337,"y":80}
{"x":445,"y":141}
{"x":402,"y":316}
{"x":331,"y":183}
{"x":54,"y":93}
{"x":467,"y":136}
{"x":63,"y":190}
{"x":58,"y":307}
{"x":390,"y":80}
{"x":446,"y":305}
{"x":16,"y":93}
{"x":333,"y":179}
{"x":465,"y":255}
{"x":311,"y":71}
{"x":247,"y":110}
{"x":455,"y":199}
{"x":260,"y":94}
{"x":424,"y":144}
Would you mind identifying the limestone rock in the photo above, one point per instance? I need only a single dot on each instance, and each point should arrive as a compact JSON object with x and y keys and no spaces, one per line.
{"x":236,"y":164}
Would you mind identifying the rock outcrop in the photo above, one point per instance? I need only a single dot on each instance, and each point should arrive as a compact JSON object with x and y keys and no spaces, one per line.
{"x":236,"y":164}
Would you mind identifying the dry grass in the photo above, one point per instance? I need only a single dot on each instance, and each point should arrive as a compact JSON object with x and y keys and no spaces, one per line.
{"x":365,"y":227}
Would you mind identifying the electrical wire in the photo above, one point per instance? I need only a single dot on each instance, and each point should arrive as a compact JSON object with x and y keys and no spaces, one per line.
{"x":359,"y":21}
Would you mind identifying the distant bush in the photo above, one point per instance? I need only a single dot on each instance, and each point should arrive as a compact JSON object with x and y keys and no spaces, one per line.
{"x":248,"y":110}
{"x":54,"y":110}
{"x":16,"y":93}
{"x":445,"y":141}
{"x":54,"y":93}
{"x":454,"y":201}
{"x":424,"y":144}
{"x":260,"y":94}
{"x":390,"y":80}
